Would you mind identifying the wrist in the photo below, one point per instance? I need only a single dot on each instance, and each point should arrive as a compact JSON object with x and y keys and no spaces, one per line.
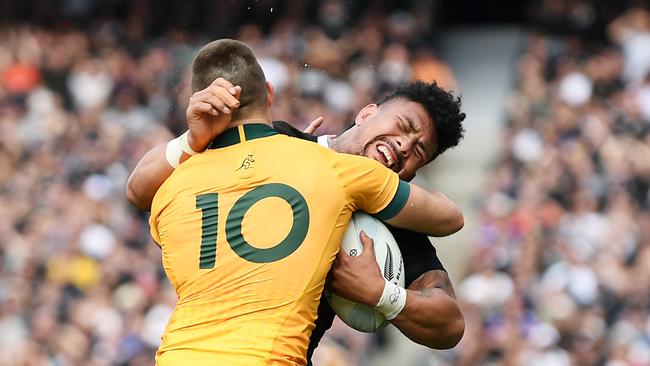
{"x":176,"y":148}
{"x":375,"y":292}
{"x":196,"y":143}
{"x":392,"y":300}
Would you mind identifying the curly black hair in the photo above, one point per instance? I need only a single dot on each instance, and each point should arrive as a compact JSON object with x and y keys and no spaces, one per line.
{"x":442,"y":107}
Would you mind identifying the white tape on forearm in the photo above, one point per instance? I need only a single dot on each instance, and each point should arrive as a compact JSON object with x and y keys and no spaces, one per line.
{"x":173,"y":152}
{"x":185,"y":144}
{"x":392,"y":300}
{"x":176,"y":148}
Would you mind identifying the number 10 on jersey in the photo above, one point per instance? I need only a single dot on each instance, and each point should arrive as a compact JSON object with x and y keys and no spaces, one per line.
{"x":208,"y":203}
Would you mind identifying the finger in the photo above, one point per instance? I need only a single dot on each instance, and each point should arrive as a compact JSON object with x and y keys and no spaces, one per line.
{"x":237,"y":92}
{"x":220,"y":92}
{"x":225,"y":98}
{"x":214,"y":100}
{"x":203,"y":107}
{"x":224,"y":84}
{"x":313,"y":125}
{"x":342,"y":256}
{"x":367,"y":242}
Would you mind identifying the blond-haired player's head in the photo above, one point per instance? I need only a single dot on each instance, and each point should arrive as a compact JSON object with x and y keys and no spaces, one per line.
{"x":234,"y":61}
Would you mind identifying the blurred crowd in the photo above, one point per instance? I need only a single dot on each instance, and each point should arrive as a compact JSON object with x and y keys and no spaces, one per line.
{"x":560,"y":272}
{"x":81,"y":101}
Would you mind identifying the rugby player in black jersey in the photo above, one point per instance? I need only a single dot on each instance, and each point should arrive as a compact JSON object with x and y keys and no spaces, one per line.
{"x":407,"y":130}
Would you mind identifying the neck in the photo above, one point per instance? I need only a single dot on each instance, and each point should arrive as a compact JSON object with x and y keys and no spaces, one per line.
{"x":339,"y":144}
{"x":252,"y":118}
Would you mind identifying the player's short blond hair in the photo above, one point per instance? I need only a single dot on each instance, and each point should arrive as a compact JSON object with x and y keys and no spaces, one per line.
{"x":234,"y":61}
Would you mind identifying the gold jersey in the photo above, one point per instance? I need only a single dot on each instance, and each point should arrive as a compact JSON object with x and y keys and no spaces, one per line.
{"x":248,"y":231}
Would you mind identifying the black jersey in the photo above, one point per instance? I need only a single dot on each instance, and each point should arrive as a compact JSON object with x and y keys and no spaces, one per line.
{"x":417,"y":252}
{"x":287,"y":129}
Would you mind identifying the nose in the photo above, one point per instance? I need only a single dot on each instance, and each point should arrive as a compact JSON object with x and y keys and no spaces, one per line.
{"x":405,"y":144}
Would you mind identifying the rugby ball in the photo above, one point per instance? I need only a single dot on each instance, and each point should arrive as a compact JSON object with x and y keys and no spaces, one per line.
{"x":389,"y":259}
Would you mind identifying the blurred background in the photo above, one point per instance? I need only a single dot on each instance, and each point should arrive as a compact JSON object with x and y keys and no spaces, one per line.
{"x":553,"y":176}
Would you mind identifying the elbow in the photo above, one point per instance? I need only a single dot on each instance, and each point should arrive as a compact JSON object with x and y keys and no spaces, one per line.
{"x":460,"y":221}
{"x":454,"y":333}
{"x":448,"y":336}
{"x":457,"y":221}
{"x":453,"y":222}
{"x":447,"y":333}
{"x":133,"y":197}
{"x":130,"y":192}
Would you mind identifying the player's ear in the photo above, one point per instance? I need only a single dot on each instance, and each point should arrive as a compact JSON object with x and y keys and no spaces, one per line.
{"x":365,"y":112}
{"x":271,"y":94}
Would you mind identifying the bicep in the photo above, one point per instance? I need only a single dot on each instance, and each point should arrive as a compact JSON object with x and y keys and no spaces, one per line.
{"x":419,"y":213}
{"x":431,"y":213}
{"x":435,"y":279}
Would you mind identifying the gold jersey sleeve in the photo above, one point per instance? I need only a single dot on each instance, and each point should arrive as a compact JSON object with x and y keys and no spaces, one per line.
{"x":248,"y":231}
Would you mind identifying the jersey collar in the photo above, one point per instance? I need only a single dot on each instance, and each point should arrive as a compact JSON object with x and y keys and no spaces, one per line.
{"x":241,"y":133}
{"x":324,"y":140}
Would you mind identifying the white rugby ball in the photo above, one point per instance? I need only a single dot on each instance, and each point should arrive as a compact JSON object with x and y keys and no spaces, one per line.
{"x":389,"y":258}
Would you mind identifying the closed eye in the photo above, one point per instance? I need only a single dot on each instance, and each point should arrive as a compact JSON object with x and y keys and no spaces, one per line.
{"x":404,"y":125}
{"x":419,"y":150}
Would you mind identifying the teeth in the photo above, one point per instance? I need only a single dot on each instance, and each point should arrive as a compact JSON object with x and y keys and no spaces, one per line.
{"x":387,"y":155}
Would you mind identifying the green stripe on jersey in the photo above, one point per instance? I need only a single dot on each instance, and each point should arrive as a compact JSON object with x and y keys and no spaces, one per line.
{"x":397,"y":203}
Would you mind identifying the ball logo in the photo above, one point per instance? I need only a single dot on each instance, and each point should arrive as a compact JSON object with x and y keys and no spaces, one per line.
{"x":399,"y":270}
{"x":388,"y":264}
{"x":353,"y":252}
{"x":395,"y":295}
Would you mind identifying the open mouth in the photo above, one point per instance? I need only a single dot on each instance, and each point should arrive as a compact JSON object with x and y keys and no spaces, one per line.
{"x":387,"y":155}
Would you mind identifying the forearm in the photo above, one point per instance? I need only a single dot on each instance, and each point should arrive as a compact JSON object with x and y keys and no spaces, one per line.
{"x":431,"y":316}
{"x":431,"y":213}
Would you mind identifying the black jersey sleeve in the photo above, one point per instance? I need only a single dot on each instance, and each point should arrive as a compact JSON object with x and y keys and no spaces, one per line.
{"x":323,"y":322}
{"x":287,"y":129}
{"x":418,"y":253}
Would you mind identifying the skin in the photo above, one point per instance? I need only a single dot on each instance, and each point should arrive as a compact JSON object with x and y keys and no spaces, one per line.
{"x":431,"y":316}
{"x":399,"y":127}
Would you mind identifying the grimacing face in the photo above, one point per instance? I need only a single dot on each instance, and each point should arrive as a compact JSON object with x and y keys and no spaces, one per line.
{"x":398,"y":133}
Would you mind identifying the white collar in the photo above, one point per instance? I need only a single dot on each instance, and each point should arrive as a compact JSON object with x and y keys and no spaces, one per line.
{"x":324,"y":140}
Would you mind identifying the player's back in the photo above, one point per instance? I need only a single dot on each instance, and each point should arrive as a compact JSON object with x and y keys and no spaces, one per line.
{"x":248,"y":231}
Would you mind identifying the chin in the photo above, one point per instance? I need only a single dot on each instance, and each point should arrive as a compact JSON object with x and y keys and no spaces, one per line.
{"x":407,"y":178}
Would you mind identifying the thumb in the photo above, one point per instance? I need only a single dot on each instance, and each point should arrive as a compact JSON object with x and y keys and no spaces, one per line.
{"x":368,"y":244}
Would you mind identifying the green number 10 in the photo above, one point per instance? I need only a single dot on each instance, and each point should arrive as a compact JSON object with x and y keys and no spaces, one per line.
{"x":209,"y":203}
